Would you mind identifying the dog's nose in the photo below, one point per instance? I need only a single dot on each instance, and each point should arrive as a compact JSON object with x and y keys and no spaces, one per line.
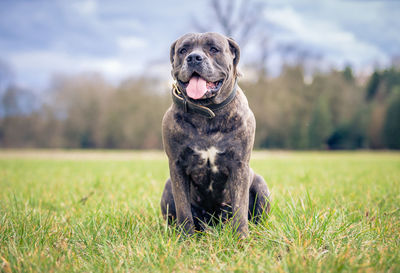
{"x":194,"y":59}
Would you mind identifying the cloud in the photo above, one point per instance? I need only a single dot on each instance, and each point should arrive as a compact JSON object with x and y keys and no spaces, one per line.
{"x":40,"y":37}
{"x":53,"y":62}
{"x":126,"y":24}
{"x":78,"y":36}
{"x":131,"y":42}
{"x":337,"y":44}
{"x":87,"y":7}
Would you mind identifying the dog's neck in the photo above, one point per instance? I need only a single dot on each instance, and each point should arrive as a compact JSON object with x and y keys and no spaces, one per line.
{"x":205,"y":110}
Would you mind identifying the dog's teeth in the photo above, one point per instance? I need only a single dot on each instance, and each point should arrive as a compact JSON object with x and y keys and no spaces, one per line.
{"x":211,"y":85}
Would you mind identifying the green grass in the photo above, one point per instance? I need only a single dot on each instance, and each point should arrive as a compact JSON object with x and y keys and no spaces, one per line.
{"x":99,"y":212}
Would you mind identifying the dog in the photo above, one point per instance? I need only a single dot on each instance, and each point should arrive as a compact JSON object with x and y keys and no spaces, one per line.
{"x":208,"y":135}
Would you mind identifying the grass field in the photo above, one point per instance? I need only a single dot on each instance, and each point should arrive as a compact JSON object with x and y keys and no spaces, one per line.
{"x":99,"y":212}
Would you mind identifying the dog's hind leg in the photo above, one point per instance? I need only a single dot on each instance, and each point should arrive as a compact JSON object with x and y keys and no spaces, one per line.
{"x":167,"y":203}
{"x":259,"y":199}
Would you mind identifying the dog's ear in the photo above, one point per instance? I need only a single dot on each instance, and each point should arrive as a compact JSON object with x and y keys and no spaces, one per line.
{"x":172,"y":52}
{"x":234,"y":47}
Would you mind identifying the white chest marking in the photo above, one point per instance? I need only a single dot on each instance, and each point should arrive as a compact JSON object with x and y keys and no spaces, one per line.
{"x":209,"y":156}
{"x":210,"y":188}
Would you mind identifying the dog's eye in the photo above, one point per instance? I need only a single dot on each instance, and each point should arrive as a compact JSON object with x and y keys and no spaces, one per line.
{"x":214,"y":50}
{"x":182,"y":51}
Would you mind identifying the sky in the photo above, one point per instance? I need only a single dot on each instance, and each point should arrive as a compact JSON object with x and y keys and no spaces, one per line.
{"x":121,"y":38}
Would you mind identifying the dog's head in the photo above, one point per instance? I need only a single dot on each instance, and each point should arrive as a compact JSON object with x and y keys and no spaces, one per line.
{"x":205,"y":65}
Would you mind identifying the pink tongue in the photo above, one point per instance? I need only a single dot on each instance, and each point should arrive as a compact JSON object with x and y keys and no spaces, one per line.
{"x":196,"y":88}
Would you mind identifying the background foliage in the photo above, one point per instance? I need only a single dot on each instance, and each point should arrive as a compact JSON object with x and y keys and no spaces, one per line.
{"x":334,"y":111}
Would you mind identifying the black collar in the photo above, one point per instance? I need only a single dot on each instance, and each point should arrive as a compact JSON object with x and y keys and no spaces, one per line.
{"x":207,"y":111}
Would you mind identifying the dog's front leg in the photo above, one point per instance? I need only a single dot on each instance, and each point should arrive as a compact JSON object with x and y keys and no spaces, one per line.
{"x":239,"y":182}
{"x":181,"y":193}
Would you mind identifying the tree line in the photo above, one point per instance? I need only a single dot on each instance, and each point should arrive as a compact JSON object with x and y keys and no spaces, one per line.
{"x":336,"y":110}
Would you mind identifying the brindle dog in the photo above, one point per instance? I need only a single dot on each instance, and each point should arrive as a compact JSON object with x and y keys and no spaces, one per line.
{"x":208,"y":136}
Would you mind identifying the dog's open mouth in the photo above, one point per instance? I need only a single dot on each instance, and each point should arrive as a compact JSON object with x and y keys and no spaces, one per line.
{"x":198,"y":88}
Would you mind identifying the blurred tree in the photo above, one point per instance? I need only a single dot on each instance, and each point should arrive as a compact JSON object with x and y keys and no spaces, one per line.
{"x":391,"y":128}
{"x":348,"y":74}
{"x":350,"y":135}
{"x":344,"y":97}
{"x":6,"y":76}
{"x":134,"y":115}
{"x":320,"y":124}
{"x":9,"y":102}
{"x":372,"y":87}
{"x":80,"y":101}
{"x":281,"y":107}
{"x":19,"y":118}
{"x":391,"y":77}
{"x":84,"y":111}
{"x":375,"y":125}
{"x":379,"y":96}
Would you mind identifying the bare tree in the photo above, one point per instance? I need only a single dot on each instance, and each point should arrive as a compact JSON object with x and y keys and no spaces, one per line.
{"x":234,"y":18}
{"x":6,"y":75}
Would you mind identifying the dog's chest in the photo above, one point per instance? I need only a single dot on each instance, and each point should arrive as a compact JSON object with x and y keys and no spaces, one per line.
{"x":207,"y":171}
{"x":208,"y":158}
{"x":205,"y":162}
{"x":207,"y":152}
